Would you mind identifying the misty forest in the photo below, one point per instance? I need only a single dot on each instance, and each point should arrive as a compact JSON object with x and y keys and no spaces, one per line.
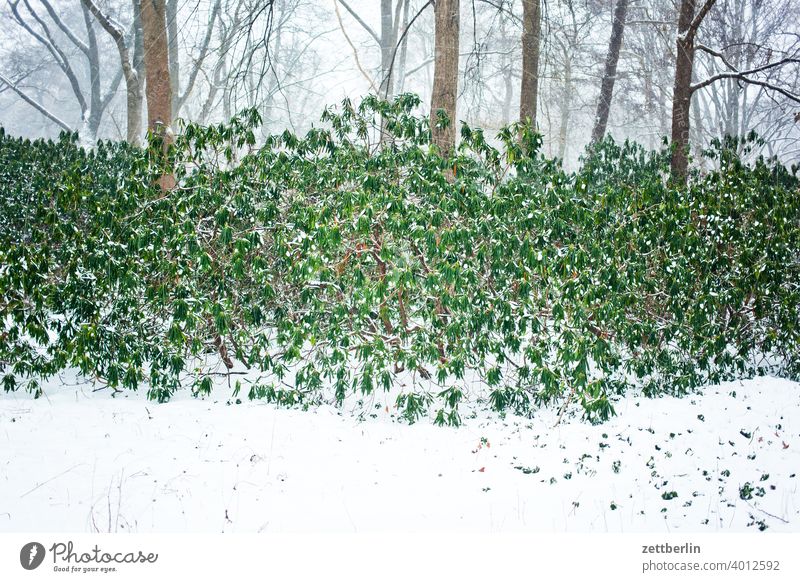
{"x":515,"y":222}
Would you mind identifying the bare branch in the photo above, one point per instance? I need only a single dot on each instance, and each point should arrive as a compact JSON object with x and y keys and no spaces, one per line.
{"x":403,"y":36}
{"x":111,"y":26}
{"x":743,"y":75}
{"x":422,"y":65}
{"x":35,"y":104}
{"x":199,"y":62}
{"x":355,"y":52}
{"x":656,"y":22}
{"x":64,"y":28}
{"x":698,"y":19}
{"x":115,"y":32}
{"x":366,"y":26}
{"x":112,"y":89}
{"x":503,"y":9}
{"x":46,"y":43}
{"x":50,"y":44}
{"x":717,"y":54}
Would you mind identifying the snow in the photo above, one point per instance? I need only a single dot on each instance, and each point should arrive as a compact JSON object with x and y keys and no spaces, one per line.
{"x":80,"y":460}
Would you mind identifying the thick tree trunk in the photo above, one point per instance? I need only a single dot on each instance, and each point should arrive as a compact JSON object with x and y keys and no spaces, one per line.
{"x":174,"y":62}
{"x":688,"y":23}
{"x":610,"y":74}
{"x":445,"y":74}
{"x":682,"y":92}
{"x":531,"y":34}
{"x":158,"y":87}
{"x":156,"y":64}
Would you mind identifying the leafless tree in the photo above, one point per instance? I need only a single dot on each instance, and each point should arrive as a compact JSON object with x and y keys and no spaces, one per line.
{"x":570,"y":28}
{"x":610,"y":74}
{"x":131,"y":62}
{"x":73,"y":52}
{"x":747,"y":33}
{"x":689,"y":22}
{"x":531,"y":42}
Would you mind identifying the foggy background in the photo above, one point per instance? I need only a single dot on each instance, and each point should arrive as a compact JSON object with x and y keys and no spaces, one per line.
{"x":291,"y":58}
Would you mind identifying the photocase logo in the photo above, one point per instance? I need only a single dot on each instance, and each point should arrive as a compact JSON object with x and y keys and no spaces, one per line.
{"x":31,"y":555}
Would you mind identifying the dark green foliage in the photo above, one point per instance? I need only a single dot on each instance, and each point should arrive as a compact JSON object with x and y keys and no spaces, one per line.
{"x":332,"y":265}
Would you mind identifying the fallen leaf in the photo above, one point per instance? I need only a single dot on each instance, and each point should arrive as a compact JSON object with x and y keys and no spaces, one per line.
{"x":482,"y":469}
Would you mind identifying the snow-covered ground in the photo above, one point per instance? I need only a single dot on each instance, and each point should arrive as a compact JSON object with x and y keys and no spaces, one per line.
{"x":82,"y":461}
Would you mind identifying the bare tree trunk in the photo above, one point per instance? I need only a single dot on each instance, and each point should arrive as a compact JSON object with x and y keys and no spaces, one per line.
{"x":749,"y":57}
{"x":274,"y":82}
{"x":174,"y":62}
{"x":732,"y":108}
{"x":509,"y":93}
{"x":682,"y":92}
{"x":649,"y":102}
{"x":95,"y":106}
{"x":135,"y":88}
{"x":662,"y":96}
{"x":158,"y":86}
{"x":401,"y":68}
{"x":548,"y":115}
{"x":445,"y":74}
{"x":738,"y":42}
{"x":697,"y":128}
{"x":531,"y":35}
{"x":610,"y":74}
{"x":138,"y":44}
{"x":226,"y":95}
{"x":387,"y":49}
{"x":156,"y":63}
{"x":387,"y":53}
{"x":505,"y":67}
{"x":688,"y":24}
{"x":565,"y":105}
{"x":133,"y":81}
{"x":226,"y":39}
